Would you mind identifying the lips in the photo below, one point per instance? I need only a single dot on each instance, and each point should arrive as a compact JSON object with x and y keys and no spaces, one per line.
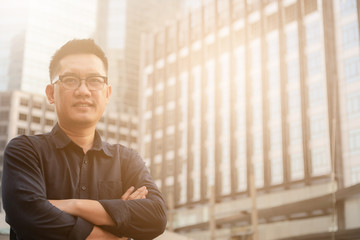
{"x":83,"y":104}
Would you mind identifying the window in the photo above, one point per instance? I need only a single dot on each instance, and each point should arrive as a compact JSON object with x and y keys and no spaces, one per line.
{"x":310,"y":6}
{"x":147,"y":153}
{"x":292,"y":41}
{"x":277,"y":171}
{"x":111,"y":135}
{"x":273,"y":49}
{"x":149,"y":101}
{"x":274,"y":79}
{"x":315,"y":93}
{"x":255,"y":30}
{"x":171,"y":93}
{"x":350,"y":35}
{"x":24,"y":102}
{"x":112,"y":121}
{"x":312,"y":33}
{"x":352,"y":69}
{"x":170,"y":142}
{"x":169,"y":167}
{"x":159,"y":98}
{"x":50,"y":108}
{"x":275,"y":139}
{"x":293,"y":72}
{"x":353,"y":104}
{"x":290,"y":13}
{"x":148,"y":126}
{"x":22,"y":117}
{"x":156,"y":170}
{"x":347,"y":7}
{"x":239,"y":37}
{"x":170,"y":117}
{"x":21,"y":131}
{"x":355,"y":175}
{"x":149,"y":80}
{"x":297,"y":166}
{"x":295,"y":133}
{"x":272,"y":22}
{"x":49,"y":122}
{"x":158,"y":122}
{"x":158,"y":146}
{"x":275,"y":109}
{"x":257,"y":144}
{"x":320,"y":162}
{"x":37,"y":105}
{"x":159,"y":50}
{"x":35,"y":119}
{"x":123,"y":137}
{"x":294,"y":101}
{"x":354,"y":141}
{"x":317,"y":127}
{"x":314,"y":63}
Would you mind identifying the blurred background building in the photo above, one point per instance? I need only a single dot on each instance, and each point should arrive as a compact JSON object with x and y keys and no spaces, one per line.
{"x":31,"y":31}
{"x":207,"y":93}
{"x":269,"y":84}
{"x":119,"y":28}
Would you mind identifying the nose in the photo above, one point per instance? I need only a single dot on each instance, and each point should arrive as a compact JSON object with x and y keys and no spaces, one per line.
{"x":83,"y":88}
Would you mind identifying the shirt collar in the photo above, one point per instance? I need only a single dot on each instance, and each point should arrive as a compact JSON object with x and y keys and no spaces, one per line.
{"x":61,"y":140}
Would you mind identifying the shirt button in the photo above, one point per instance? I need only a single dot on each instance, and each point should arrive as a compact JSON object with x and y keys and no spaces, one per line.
{"x":85,"y":162}
{"x":83,"y":188}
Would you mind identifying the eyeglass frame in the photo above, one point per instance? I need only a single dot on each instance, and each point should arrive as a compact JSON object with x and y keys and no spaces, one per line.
{"x":60,"y":79}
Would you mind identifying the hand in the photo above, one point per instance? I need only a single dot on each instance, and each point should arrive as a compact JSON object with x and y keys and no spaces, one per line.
{"x":140,"y":193}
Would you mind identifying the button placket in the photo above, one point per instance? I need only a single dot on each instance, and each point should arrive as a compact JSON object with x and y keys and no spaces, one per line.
{"x":83,"y":178}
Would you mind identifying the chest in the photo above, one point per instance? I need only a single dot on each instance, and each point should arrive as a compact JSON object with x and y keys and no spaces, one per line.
{"x":72,"y":174}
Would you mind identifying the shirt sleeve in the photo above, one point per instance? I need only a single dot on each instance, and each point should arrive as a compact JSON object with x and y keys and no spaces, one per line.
{"x":142,"y":218}
{"x":28,"y":212}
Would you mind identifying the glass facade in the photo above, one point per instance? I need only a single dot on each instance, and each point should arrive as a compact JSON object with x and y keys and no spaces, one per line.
{"x":40,"y":27}
{"x":260,"y":89}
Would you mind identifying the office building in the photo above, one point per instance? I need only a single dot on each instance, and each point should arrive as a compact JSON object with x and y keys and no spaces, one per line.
{"x":119,"y":28}
{"x":31,"y":31}
{"x":272,"y":84}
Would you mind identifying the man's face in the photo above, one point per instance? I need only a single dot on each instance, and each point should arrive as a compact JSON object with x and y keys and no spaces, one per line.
{"x":80,"y":107}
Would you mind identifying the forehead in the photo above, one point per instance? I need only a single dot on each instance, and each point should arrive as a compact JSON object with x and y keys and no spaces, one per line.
{"x":79,"y":63}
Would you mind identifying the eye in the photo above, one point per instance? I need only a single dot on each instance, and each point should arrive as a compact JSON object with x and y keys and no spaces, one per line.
{"x":70,"y":80}
{"x":94,"y":80}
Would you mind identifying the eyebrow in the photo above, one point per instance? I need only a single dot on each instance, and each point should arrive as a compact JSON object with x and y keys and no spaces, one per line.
{"x":76,"y":75}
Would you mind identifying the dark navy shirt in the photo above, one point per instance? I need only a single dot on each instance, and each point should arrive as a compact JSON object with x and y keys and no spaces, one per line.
{"x":51,"y":166}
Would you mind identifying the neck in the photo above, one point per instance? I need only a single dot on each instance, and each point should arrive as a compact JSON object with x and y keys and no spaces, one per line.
{"x":83,"y":137}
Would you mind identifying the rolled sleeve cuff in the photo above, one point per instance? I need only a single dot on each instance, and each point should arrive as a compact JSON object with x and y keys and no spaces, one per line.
{"x":81,"y":229}
{"x":120,"y":214}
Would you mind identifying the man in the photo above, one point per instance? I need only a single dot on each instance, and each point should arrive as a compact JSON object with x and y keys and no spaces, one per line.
{"x":69,"y":184}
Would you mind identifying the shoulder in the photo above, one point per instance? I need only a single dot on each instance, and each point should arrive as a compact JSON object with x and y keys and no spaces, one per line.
{"x":27,"y":142}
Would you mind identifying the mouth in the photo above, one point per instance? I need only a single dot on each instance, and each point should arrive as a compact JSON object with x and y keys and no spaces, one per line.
{"x":83,"y":104}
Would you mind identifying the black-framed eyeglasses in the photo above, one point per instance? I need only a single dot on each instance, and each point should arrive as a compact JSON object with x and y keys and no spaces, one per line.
{"x":72,"y":82}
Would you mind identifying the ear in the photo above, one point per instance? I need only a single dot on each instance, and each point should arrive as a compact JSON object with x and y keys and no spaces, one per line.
{"x":50,"y":93}
{"x":108,"y":92}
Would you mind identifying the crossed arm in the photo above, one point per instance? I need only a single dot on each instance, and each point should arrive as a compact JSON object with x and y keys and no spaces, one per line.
{"x":94,"y":212}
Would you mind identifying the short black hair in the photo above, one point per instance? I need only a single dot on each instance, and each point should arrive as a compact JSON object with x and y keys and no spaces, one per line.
{"x":77,"y":46}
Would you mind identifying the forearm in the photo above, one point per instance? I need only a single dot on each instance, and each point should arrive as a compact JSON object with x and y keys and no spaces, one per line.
{"x":99,"y":234}
{"x":90,"y":210}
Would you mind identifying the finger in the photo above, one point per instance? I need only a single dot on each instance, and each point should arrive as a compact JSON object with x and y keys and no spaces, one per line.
{"x":139,"y":193}
{"x":126,"y":195}
{"x":144,"y":195}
